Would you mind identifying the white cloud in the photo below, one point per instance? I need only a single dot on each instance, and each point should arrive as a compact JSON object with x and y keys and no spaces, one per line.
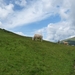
{"x":20,"y":33}
{"x":5,"y":10}
{"x":65,"y":10}
{"x":72,"y":36}
{"x":66,"y":27}
{"x":57,"y":31}
{"x":72,"y":14}
{"x":40,"y":31}
{"x":36,"y":11}
{"x":0,"y":25}
{"x":21,"y":3}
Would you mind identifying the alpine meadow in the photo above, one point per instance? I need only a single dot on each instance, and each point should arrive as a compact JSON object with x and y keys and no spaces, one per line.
{"x":20,"y":55}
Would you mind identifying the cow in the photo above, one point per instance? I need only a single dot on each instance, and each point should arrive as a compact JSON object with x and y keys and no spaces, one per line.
{"x":65,"y":43}
{"x":37,"y":37}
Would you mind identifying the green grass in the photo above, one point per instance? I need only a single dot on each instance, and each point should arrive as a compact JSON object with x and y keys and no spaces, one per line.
{"x":21,"y":56}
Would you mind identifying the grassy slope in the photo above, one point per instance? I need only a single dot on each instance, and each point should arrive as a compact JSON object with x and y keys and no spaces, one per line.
{"x":22,"y":56}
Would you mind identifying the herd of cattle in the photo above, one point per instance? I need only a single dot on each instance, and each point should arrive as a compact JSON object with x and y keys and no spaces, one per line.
{"x":40,"y":37}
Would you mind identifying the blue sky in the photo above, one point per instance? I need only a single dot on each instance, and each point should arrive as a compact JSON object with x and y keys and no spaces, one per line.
{"x":54,"y":19}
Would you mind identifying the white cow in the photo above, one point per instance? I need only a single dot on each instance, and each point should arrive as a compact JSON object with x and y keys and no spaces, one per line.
{"x":37,"y":36}
{"x":65,"y":43}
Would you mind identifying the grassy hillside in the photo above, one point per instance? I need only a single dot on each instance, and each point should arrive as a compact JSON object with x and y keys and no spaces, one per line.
{"x":22,"y":56}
